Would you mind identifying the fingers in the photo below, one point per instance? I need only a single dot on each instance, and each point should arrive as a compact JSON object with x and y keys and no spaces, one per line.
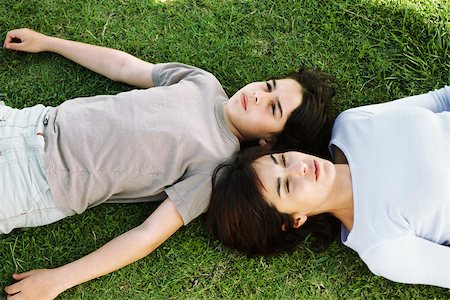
{"x":23,"y":40}
{"x":15,"y":288}
{"x":13,"y":40}
{"x":12,"y":289}
{"x":14,"y":297}
{"x":21,"y":276}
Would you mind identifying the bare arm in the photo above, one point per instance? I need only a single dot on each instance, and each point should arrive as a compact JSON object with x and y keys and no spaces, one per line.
{"x":119,"y":252}
{"x":114,"y":64}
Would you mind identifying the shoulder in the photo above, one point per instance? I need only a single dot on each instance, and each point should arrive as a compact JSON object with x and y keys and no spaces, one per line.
{"x":170,"y":73}
{"x":353,"y":115}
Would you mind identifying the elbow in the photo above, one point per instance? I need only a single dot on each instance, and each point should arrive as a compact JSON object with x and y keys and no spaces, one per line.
{"x":149,"y":239}
{"x":121,"y":69}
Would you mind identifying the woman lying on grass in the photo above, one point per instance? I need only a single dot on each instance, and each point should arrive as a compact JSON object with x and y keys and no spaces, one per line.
{"x":163,"y":142}
{"x":389,"y":186}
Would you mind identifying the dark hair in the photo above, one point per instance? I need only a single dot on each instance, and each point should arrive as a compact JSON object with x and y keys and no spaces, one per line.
{"x":240,"y":218}
{"x":308,"y":129}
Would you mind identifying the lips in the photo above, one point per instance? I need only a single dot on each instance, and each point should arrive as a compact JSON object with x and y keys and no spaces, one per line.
{"x":243,"y":101}
{"x":316,"y":169}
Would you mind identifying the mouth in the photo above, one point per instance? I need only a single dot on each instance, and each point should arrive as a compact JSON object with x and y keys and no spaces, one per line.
{"x":243,"y":101}
{"x":316,"y":169}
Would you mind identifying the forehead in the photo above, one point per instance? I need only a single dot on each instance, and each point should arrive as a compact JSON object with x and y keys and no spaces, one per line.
{"x":265,"y":169}
{"x":288,"y":85}
{"x":291,"y":92}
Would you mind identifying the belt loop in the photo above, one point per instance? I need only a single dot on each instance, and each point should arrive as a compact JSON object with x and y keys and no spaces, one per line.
{"x":45,"y":121}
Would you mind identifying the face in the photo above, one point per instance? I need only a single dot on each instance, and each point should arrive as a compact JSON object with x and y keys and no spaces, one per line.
{"x":260,"y":109}
{"x":295,"y":183}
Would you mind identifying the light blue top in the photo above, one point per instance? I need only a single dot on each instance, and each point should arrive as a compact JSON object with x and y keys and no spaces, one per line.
{"x":399,"y":159}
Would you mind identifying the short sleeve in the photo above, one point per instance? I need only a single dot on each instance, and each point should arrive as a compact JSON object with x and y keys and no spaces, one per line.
{"x":171,"y":73}
{"x":191,"y":196}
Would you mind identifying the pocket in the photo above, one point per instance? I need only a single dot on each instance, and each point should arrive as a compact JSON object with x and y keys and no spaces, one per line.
{"x":22,"y":175}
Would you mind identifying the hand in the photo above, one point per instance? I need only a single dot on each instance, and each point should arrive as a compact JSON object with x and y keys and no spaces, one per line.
{"x":36,"y":284}
{"x":26,"y":40}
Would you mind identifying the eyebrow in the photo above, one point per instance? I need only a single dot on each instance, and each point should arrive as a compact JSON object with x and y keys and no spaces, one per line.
{"x":278,"y":178}
{"x":278,"y":100}
{"x":278,"y":186}
{"x":273,"y":158}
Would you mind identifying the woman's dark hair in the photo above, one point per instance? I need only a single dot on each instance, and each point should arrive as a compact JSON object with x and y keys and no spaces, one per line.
{"x":308,"y":129}
{"x":240,"y":218}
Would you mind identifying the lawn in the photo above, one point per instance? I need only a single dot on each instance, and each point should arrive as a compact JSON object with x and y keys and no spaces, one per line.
{"x":378,"y":50}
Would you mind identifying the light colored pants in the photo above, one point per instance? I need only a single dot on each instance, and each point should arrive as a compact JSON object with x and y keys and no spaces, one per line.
{"x":25,"y":197}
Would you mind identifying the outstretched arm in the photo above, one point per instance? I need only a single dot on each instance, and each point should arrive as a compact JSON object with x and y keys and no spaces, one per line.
{"x":436,"y":101}
{"x":119,"y":252}
{"x":411,"y":259}
{"x":114,"y":64}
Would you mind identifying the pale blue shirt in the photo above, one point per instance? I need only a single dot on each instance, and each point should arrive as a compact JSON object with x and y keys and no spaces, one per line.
{"x":399,"y":159}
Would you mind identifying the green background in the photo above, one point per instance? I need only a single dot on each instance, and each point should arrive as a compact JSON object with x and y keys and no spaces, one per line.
{"x":377,"y":50}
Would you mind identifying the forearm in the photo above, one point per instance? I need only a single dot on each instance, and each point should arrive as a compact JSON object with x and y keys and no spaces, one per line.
{"x":114,"y":64}
{"x":124,"y":249}
{"x":410,"y":259}
{"x":119,"y":252}
{"x":443,"y":98}
{"x":105,"y":61}
{"x":436,"y":101}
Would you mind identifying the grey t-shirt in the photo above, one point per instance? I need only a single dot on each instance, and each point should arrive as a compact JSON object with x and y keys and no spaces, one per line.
{"x":141,"y":143}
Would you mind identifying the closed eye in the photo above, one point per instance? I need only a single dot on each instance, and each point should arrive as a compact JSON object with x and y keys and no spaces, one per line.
{"x":274,"y":106}
{"x":286,"y":183}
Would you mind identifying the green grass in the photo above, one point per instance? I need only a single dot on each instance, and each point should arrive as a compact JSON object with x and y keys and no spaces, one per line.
{"x":378,"y":50}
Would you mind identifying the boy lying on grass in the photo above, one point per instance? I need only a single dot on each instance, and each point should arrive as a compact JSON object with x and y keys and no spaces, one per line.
{"x":162,"y":140}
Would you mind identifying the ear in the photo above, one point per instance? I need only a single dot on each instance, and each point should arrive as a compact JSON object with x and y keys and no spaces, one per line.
{"x":267,"y":143}
{"x":298,"y":221}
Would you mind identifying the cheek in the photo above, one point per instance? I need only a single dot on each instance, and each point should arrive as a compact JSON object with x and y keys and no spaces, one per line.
{"x":254,"y":118}
{"x":307,"y":191}
{"x":265,"y":126}
{"x":264,"y":118}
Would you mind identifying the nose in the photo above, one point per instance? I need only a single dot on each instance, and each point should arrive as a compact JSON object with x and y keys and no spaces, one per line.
{"x":298,"y":169}
{"x":261,"y":97}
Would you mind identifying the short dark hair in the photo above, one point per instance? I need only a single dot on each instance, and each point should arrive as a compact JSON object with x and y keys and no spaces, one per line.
{"x":239,"y":217}
{"x":308,"y":129}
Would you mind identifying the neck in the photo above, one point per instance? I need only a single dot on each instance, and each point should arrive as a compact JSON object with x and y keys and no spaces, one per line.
{"x":342,"y":200}
{"x":230,"y":124}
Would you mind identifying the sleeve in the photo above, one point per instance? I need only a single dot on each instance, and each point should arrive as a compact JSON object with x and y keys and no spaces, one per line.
{"x":166,"y":74}
{"x":191,"y":196}
{"x":436,"y":101}
{"x":411,"y":259}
